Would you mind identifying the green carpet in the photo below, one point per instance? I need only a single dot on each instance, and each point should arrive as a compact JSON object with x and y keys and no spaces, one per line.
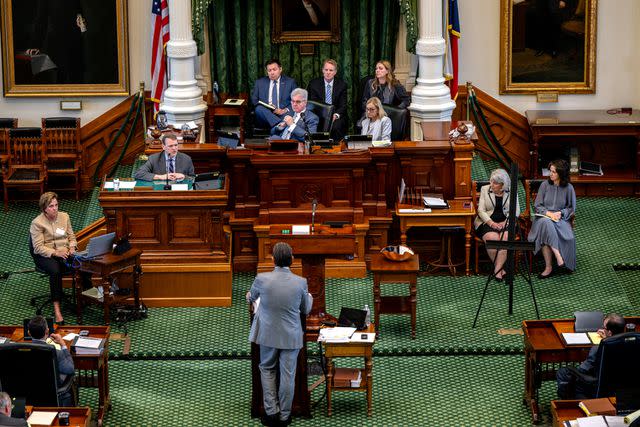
{"x":189,"y":366}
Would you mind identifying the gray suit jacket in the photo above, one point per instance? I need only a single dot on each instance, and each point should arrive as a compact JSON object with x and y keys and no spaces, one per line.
{"x":283,"y":296}
{"x":156,"y":164}
{"x":381,"y":129}
{"x":12,"y":422}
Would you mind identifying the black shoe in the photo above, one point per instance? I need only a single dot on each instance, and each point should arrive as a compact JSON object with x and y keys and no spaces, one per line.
{"x":498,"y":279}
{"x":285,"y":422}
{"x":60,"y":323}
{"x":562,"y":269}
{"x":270,"y":420}
{"x":545,"y":276}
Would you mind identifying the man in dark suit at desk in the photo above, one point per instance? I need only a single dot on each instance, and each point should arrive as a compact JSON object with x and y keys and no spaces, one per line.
{"x":570,"y":386}
{"x":39,"y":331}
{"x":296,"y":126}
{"x":277,"y":329}
{"x":333,"y":91}
{"x":5,"y":413}
{"x":275,"y":91}
{"x":168,"y":165}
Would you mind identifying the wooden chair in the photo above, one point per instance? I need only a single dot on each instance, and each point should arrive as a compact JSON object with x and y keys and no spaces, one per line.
{"x":25,"y":165}
{"x":61,"y":136}
{"x":5,"y":124}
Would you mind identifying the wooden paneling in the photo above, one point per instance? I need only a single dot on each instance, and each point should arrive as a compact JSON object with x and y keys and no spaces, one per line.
{"x":509,"y":126}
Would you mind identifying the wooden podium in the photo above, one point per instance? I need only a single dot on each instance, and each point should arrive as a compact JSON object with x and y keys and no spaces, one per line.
{"x":312,"y":250}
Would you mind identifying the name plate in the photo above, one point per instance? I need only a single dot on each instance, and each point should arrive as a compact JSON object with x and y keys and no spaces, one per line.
{"x":300,"y":229}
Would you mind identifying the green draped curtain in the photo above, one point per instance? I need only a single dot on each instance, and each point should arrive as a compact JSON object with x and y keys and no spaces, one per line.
{"x":240,"y":40}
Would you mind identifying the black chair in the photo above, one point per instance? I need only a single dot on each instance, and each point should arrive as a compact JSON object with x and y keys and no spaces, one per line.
{"x":41,"y":300}
{"x":399,"y":119}
{"x":30,"y":371}
{"x":324,"y":113}
{"x":616,"y":369}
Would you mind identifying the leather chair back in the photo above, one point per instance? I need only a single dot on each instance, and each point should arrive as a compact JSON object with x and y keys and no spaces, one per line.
{"x":399,"y":119}
{"x":324,"y":113}
{"x":618,"y":356}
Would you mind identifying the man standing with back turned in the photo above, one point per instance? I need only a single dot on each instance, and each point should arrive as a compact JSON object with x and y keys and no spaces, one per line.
{"x":277,"y":329}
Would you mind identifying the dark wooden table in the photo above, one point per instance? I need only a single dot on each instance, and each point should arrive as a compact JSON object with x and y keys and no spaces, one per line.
{"x":85,"y":364}
{"x":222,"y":110}
{"x":385,"y":271}
{"x":107,"y":266}
{"x":567,"y":410}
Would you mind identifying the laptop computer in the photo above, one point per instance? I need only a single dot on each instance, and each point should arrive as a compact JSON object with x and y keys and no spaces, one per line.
{"x":352,"y":318}
{"x":227,"y":139}
{"x":25,"y":327}
{"x":588,"y":321}
{"x":97,"y":246}
{"x":208,"y":181}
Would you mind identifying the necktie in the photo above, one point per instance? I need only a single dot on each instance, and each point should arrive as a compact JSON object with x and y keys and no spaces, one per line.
{"x":274,"y":93}
{"x":327,"y":95}
{"x":287,"y":133}
{"x":171,"y":169}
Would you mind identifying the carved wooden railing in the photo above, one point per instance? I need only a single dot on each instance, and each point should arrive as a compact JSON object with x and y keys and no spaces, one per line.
{"x":510,"y":127}
{"x":96,"y":136}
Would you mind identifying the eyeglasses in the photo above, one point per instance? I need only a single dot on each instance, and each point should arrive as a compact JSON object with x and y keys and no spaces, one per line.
{"x":296,"y":102}
{"x":372,"y":109}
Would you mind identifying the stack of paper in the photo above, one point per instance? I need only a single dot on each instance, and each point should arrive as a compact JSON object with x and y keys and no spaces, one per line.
{"x":41,"y":418}
{"x":87,"y":345}
{"x":571,"y":338}
{"x":337,"y":334}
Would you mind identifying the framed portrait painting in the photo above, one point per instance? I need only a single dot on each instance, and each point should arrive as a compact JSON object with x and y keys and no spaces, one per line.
{"x":305,"y":20}
{"x":64,"y":48}
{"x":548,"y":46}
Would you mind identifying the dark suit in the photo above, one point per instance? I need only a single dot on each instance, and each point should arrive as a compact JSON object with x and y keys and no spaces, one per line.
{"x":264,"y":116}
{"x":12,"y":422}
{"x":316,"y":90}
{"x":157,"y":165}
{"x":299,"y":131}
{"x":397,"y":97}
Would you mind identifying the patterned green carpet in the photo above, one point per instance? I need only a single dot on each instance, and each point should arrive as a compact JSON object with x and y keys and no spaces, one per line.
{"x":189,"y":366}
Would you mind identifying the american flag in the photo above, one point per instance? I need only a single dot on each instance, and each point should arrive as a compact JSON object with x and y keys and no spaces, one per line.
{"x":452,"y":34}
{"x":160,"y":37}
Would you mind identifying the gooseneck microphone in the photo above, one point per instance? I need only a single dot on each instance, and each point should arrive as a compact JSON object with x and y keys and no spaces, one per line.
{"x":167,"y":186}
{"x":314,"y":206}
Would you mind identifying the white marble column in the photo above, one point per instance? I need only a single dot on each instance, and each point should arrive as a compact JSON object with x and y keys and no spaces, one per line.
{"x":430,"y":98}
{"x":183,"y":98}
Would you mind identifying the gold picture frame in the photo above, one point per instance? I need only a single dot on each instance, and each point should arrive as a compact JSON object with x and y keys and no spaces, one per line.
{"x":305,"y":21}
{"x":66,"y":50}
{"x":548,"y":50}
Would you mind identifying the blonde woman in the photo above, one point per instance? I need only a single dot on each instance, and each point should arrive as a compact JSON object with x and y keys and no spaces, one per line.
{"x":376,"y":123}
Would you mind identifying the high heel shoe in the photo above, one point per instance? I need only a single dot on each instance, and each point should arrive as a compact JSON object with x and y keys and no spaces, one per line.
{"x":545,"y":276}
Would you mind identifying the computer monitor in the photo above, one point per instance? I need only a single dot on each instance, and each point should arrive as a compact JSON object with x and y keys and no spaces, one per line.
{"x":208,"y":181}
{"x":227,"y":139}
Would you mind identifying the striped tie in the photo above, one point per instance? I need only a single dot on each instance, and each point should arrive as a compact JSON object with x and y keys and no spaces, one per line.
{"x":327,"y":95}
{"x":171,"y":169}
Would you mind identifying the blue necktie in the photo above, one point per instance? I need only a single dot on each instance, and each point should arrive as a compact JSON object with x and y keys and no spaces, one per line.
{"x":274,"y":94}
{"x":327,"y":95}
{"x":171,"y":169}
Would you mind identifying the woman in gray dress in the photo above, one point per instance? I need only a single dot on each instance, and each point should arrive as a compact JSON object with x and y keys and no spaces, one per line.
{"x":552,"y":231}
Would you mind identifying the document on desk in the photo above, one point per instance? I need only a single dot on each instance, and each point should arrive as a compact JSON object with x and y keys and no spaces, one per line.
{"x":571,"y":338}
{"x":336,"y":335}
{"x":414,"y":210}
{"x":597,"y":421}
{"x":42,"y":418}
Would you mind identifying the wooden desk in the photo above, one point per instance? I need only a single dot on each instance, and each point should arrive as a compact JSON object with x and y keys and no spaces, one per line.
{"x":544,"y":347}
{"x":365,"y":350}
{"x":220,"y":110}
{"x":385,"y":271}
{"x":83,"y":363}
{"x":613,"y":140}
{"x":460,"y":213}
{"x":206,"y":157}
{"x":567,"y":410}
{"x":78,"y":416}
{"x":184,"y":241}
{"x":107,"y":266}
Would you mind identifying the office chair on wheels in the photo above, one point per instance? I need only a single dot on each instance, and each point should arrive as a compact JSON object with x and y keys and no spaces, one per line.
{"x":40,"y":301}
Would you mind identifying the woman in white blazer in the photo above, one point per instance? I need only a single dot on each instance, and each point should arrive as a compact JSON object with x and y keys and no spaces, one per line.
{"x":376,"y":122}
{"x":493,"y":210}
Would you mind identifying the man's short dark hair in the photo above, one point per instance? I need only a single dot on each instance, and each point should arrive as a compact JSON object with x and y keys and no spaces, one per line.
{"x":172,"y":136}
{"x":282,"y":254}
{"x":38,"y":327}
{"x":615,"y":323}
{"x":273,"y":61}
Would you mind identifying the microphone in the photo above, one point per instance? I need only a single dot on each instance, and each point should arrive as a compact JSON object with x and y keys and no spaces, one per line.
{"x":167,"y":186}
{"x":314,"y":206}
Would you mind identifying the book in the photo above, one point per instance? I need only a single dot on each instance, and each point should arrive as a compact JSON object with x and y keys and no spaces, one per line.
{"x":234,"y":101}
{"x":571,"y":338}
{"x":594,"y":337}
{"x":347,"y":377}
{"x":601,"y":406}
{"x":265,"y":105}
{"x":87,"y":345}
{"x":435,"y":202}
{"x":588,"y":168}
